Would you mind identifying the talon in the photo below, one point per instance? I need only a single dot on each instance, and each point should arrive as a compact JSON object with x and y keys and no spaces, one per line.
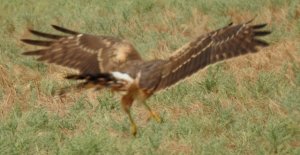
{"x":155,"y":116}
{"x":133,"y":129}
{"x":149,"y":117}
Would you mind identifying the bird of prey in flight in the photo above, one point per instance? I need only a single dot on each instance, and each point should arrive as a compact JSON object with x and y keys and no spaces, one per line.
{"x":114,"y":63}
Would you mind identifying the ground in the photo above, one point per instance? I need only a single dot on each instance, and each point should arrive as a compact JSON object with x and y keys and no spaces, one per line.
{"x":248,"y":105}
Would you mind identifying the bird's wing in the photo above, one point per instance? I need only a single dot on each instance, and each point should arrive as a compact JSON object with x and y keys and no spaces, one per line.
{"x":224,"y":43}
{"x":89,"y":54}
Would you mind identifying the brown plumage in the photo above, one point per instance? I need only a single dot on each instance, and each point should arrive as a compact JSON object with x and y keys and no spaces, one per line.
{"x":109,"y":62}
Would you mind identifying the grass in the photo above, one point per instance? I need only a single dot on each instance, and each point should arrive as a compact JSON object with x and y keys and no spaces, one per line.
{"x":249,"y":105}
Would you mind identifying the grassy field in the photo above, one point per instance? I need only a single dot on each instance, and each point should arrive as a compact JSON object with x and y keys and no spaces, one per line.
{"x":248,"y":105}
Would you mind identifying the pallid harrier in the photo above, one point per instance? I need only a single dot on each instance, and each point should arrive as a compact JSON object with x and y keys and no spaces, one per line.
{"x":109,"y":62}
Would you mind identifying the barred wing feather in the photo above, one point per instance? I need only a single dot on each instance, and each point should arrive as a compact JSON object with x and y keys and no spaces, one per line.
{"x":224,"y":43}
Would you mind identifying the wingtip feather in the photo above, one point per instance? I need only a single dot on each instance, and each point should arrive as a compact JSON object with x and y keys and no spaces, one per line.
{"x":45,"y":35}
{"x":64,"y":30}
{"x":37,"y":42}
{"x":262,"y":33}
{"x":36,"y":52}
{"x":259,"y":26}
{"x":261,"y":42}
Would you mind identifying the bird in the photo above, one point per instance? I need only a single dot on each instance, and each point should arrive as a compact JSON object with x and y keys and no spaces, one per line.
{"x":114,"y":63}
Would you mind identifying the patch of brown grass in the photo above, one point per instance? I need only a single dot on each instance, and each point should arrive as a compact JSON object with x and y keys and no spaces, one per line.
{"x":238,"y":16}
{"x":17,"y":84}
{"x":9,"y":93}
{"x":175,"y":147}
{"x":269,"y":59}
{"x":10,"y":85}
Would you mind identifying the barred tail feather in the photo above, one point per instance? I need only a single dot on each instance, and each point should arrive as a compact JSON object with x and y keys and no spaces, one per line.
{"x":78,"y":87}
{"x":98,"y":81}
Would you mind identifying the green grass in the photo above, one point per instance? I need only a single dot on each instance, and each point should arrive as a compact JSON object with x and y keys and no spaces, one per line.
{"x":250,"y":105}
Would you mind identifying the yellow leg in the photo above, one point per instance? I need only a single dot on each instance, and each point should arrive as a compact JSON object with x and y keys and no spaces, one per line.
{"x":126,"y":104}
{"x":133,"y":128}
{"x":152,"y":113}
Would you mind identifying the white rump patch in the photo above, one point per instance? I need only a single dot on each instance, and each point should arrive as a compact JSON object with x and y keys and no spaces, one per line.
{"x":122,"y":76}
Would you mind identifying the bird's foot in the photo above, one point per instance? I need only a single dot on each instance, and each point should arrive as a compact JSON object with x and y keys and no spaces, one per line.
{"x":155,"y":116}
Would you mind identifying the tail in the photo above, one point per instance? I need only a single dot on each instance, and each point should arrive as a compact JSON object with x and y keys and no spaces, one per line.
{"x":99,"y":81}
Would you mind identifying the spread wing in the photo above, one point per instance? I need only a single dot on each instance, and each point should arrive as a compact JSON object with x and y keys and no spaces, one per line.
{"x":89,"y":54}
{"x":224,"y":43}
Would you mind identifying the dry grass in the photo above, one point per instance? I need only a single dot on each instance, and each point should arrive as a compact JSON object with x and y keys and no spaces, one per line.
{"x":247,"y":105}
